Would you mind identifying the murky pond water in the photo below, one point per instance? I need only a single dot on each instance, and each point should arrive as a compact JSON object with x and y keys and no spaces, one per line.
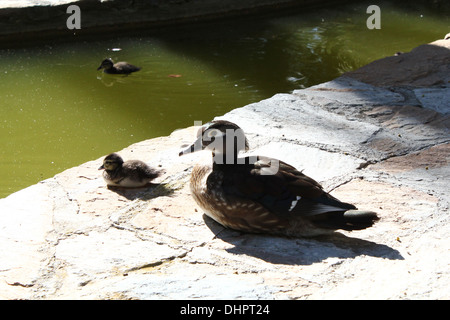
{"x":57,"y":111}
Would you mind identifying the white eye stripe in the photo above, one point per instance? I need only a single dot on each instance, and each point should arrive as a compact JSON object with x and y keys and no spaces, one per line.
{"x":212,"y":133}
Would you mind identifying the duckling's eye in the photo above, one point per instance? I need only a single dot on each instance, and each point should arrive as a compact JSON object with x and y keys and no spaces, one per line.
{"x":109,"y":163}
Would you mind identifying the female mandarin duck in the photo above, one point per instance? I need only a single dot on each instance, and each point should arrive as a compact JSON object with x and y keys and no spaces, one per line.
{"x":264,"y":195}
{"x":128,"y":174}
{"x":117,"y":68}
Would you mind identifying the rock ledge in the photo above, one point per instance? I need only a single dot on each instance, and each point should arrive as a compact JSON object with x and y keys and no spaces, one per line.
{"x":379,"y":140}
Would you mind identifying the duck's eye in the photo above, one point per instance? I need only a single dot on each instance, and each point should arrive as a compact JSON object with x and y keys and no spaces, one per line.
{"x":212,"y":133}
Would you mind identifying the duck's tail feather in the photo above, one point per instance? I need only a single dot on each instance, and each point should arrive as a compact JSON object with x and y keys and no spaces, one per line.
{"x":348,"y":220}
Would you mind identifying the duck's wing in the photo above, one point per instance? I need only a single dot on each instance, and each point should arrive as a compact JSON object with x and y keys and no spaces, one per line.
{"x":286,"y":192}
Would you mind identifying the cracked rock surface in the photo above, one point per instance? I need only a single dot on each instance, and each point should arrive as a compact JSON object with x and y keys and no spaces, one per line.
{"x":384,"y":146}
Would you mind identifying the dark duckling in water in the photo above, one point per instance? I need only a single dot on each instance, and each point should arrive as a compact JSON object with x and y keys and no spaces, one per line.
{"x":122,"y":67}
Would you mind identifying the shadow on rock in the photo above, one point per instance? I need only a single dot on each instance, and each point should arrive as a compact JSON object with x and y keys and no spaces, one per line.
{"x":150,"y":191}
{"x":299,"y":251}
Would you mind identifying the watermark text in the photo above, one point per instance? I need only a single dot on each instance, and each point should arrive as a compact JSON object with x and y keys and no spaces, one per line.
{"x":374,"y":20}
{"x":74,"y":20}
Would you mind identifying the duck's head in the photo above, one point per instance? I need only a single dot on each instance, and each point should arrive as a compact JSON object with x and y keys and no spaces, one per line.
{"x":111,"y":162}
{"x":221,"y":137}
{"x":106,"y":64}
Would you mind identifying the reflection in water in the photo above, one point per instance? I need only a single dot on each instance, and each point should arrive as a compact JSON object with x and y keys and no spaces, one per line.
{"x":58,"y":111}
{"x":109,"y":81}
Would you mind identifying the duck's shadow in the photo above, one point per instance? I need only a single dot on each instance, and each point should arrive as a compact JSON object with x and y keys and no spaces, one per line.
{"x":299,"y":251}
{"x":147,"y":192}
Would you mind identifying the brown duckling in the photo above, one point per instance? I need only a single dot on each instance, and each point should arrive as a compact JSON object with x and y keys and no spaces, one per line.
{"x":128,"y":174}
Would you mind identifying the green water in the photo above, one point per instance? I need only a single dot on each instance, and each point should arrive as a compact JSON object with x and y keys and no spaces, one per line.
{"x":57,"y":111}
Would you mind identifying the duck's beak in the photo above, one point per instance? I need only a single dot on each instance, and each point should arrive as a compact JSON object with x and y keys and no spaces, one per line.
{"x":99,"y":68}
{"x":101,"y":167}
{"x":196,"y":146}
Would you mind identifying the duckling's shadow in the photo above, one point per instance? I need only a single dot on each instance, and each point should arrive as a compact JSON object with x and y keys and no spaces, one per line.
{"x":299,"y":251}
{"x":147,"y":192}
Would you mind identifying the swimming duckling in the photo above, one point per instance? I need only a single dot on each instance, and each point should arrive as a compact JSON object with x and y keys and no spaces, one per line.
{"x":117,"y":68}
{"x":264,"y":195}
{"x":128,"y":174}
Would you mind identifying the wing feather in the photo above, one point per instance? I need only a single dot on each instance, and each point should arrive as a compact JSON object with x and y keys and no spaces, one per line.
{"x":286,"y":193}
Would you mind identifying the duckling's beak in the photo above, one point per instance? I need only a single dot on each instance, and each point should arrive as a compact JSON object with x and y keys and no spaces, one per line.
{"x":101,"y":167}
{"x":196,"y":146}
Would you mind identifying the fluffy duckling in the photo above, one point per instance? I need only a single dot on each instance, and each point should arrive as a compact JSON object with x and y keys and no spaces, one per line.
{"x":128,"y":174}
{"x":264,"y":195}
{"x":122,"y":67}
